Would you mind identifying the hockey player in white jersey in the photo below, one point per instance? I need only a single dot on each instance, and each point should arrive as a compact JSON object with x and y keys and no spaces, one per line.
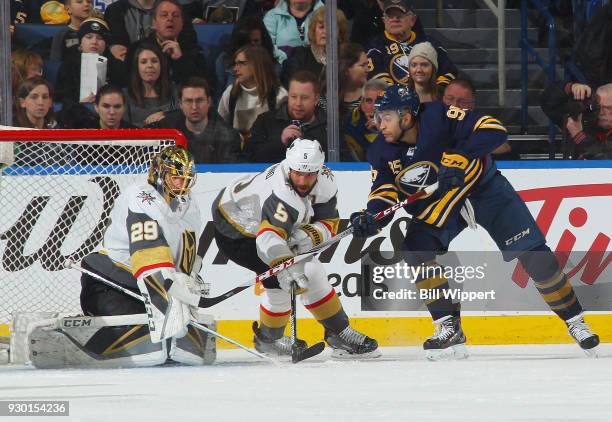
{"x":149,"y":248}
{"x":262,"y":220}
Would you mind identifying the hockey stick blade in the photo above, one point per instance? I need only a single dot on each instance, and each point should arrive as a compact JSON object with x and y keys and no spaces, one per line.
{"x":298,"y":355}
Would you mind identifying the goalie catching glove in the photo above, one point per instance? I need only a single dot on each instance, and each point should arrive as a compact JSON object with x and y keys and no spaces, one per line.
{"x":171,"y":300}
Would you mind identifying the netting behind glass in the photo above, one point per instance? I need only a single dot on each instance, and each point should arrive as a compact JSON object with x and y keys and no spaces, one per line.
{"x":55,"y":202}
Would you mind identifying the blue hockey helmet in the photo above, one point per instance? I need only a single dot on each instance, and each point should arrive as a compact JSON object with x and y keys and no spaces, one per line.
{"x":399,"y":98}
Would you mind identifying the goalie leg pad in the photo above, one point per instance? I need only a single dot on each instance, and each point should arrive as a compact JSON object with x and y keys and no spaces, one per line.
{"x":197,"y":347}
{"x":120,"y":341}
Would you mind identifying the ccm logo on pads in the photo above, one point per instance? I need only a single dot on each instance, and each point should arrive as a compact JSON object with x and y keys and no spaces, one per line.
{"x":81,"y":322}
{"x":517,"y":237}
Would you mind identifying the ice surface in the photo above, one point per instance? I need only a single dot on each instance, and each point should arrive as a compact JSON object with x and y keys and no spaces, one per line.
{"x":497,"y":383}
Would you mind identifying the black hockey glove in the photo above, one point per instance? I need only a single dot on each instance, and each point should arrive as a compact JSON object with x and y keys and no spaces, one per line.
{"x":364,"y":224}
{"x":452,"y":171}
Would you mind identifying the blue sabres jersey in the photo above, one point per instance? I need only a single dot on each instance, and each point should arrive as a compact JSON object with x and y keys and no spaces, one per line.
{"x":440,"y":129}
{"x":388,"y":59}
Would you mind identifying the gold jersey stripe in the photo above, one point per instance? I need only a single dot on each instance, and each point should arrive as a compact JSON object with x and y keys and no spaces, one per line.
{"x":150,"y":257}
{"x":265,"y":224}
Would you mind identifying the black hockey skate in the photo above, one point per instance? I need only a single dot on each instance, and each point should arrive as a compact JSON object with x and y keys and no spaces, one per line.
{"x":580,"y":331}
{"x":351,"y":344}
{"x":448,"y":341}
{"x":277,"y":347}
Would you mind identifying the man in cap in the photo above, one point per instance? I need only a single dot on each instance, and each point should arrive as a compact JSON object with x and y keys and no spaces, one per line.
{"x":388,"y":53}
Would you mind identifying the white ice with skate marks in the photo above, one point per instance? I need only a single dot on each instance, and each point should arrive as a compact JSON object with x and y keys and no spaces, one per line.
{"x":496,"y":383}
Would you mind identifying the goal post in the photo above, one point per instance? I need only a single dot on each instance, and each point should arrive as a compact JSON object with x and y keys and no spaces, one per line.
{"x":57,"y":189}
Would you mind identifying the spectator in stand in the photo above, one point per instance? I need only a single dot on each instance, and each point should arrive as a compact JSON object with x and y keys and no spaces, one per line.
{"x":462,"y":94}
{"x":149,"y":94}
{"x":255,"y":90}
{"x":353,"y":70}
{"x":388,"y":53}
{"x":25,"y":64}
{"x":359,"y":129}
{"x":110,"y":106}
{"x":588,"y":121}
{"x":423,"y":67}
{"x":249,"y":30}
{"x":352,"y":75}
{"x":287,"y":23}
{"x":368,"y":21}
{"x":131,"y":21}
{"x":93,"y":35}
{"x":185,"y":58}
{"x":210,"y":139}
{"x":299,"y":117}
{"x":35,"y":104}
{"x":66,"y":41}
{"x":312,"y":57}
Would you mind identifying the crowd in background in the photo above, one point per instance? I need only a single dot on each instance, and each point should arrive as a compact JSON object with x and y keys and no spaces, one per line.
{"x":267,"y":85}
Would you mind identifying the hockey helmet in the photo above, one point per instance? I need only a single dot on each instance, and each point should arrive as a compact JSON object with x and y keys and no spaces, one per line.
{"x":171,"y":163}
{"x":398,"y":98}
{"x":305,"y":155}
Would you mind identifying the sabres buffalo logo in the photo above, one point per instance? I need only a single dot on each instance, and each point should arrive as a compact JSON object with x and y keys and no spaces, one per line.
{"x":399,"y":68}
{"x":417,"y":177}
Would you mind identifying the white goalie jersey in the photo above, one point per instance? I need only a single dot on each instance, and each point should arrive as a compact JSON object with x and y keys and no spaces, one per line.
{"x":147,"y":234}
{"x":266,"y":206}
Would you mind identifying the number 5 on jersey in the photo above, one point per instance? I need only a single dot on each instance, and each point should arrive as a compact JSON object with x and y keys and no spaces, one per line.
{"x":144,"y":231}
{"x":281,"y":213}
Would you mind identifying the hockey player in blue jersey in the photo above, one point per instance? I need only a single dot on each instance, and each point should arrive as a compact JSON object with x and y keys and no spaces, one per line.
{"x":420,"y":144}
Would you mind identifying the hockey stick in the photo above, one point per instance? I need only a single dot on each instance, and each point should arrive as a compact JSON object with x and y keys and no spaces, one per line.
{"x":207,"y":302}
{"x":75,"y":266}
{"x":297,"y":354}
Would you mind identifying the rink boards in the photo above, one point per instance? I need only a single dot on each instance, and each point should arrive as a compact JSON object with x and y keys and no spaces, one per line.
{"x":571,"y":203}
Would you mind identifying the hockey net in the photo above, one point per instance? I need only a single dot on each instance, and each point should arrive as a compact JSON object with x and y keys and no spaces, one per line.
{"x":57,"y":188}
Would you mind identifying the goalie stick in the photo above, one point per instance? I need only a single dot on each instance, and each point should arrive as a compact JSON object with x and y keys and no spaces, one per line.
{"x":75,"y":266}
{"x":207,"y":302}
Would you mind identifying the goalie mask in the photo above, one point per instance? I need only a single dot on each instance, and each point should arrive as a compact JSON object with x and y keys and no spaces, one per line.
{"x":417,"y":177}
{"x":172,"y":173}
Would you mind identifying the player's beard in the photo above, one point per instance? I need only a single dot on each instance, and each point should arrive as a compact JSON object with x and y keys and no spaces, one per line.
{"x":298,"y":188}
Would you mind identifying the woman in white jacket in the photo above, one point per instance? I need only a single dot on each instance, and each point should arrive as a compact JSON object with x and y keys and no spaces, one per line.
{"x":256,"y":89}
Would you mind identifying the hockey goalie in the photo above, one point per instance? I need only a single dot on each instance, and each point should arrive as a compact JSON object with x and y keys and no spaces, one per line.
{"x":150,"y":249}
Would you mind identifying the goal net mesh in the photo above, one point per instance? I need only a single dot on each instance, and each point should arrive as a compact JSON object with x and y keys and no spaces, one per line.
{"x":56,"y":194}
